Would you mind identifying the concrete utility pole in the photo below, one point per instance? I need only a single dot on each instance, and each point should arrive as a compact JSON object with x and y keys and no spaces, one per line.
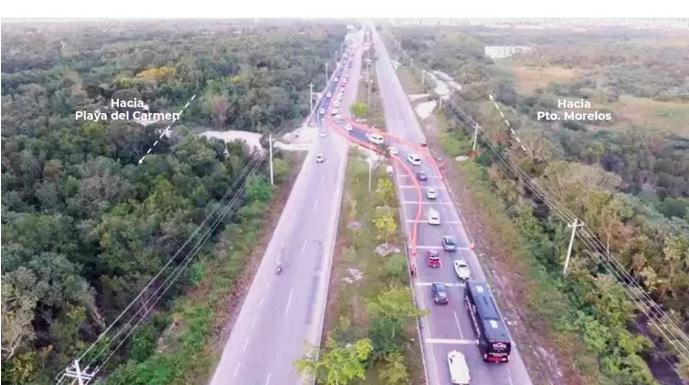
{"x":311,"y":96}
{"x":411,"y":62}
{"x":369,"y":93}
{"x":574,"y":226}
{"x":473,"y":147}
{"x":326,"y":72}
{"x":270,"y":151}
{"x":371,"y":160}
{"x":423,"y":77}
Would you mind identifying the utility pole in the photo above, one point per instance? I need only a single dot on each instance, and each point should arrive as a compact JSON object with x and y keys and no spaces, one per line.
{"x":311,"y":96}
{"x":326,"y":73}
{"x":411,"y":62}
{"x":270,"y":151}
{"x":423,"y":77}
{"x":370,"y":168}
{"x":574,"y":226}
{"x":473,"y":147}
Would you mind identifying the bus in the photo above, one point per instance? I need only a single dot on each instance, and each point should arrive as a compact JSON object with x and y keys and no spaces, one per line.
{"x":494,"y":340}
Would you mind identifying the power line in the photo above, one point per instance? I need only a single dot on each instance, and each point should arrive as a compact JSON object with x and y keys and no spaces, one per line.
{"x":122,"y":330}
{"x":672,"y":333}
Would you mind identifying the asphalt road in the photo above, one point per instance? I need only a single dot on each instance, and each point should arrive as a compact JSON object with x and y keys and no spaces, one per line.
{"x":447,"y":327}
{"x":282,"y":312}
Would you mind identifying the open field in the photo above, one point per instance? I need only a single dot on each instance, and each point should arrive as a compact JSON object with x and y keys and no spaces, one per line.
{"x":670,"y":116}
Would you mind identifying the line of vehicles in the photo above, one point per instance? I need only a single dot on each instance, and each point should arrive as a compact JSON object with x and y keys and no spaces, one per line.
{"x":494,"y":342}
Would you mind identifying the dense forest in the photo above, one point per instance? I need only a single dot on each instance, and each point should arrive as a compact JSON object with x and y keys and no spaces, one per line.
{"x":629,"y":182}
{"x":84,"y":225}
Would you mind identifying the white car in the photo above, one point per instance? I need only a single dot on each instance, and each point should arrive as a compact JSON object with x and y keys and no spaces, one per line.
{"x":393,"y":150}
{"x":340,"y":96}
{"x":459,"y":370}
{"x":433,"y":217}
{"x":348,"y":127}
{"x":320,"y":158}
{"x":431,"y":193}
{"x":461,"y":269}
{"x":328,"y":95}
{"x":321,"y":111}
{"x":376,"y":138}
{"x":334,"y":112}
{"x":414,"y":159}
{"x":322,"y":134}
{"x":336,"y":104}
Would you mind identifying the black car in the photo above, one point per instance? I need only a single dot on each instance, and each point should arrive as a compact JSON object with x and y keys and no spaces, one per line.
{"x":449,"y":243}
{"x":439,"y":292}
{"x":421,"y":176}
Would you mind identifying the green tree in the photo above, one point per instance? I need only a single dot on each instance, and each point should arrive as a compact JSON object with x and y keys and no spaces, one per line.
{"x":385,"y":190}
{"x":337,"y":364}
{"x":390,"y":310}
{"x":395,"y":371}
{"x":385,"y":224}
{"x":359,"y":109}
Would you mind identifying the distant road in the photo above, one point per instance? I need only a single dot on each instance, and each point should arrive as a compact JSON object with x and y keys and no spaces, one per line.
{"x":281,"y":313}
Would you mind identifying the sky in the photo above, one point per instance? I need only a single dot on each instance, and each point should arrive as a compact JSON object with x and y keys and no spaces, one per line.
{"x":342,"y":9}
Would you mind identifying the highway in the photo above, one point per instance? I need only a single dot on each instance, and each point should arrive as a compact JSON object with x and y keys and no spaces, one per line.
{"x":282,"y":312}
{"x":448,"y":326}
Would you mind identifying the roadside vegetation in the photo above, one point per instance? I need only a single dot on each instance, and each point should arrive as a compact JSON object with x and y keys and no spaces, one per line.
{"x":85,"y":226}
{"x":627,"y":183}
{"x":370,"y":303}
{"x":369,"y":107}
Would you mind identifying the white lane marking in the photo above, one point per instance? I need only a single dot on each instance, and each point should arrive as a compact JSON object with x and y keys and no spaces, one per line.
{"x":501,"y":114}
{"x":448,"y":284}
{"x":322,"y":179}
{"x":253,"y":323}
{"x":236,"y":370}
{"x":450,"y":341}
{"x":509,"y":375}
{"x":303,"y":247}
{"x":260,"y":303}
{"x":268,"y":379}
{"x":246,"y":344}
{"x":457,"y":323}
{"x":315,"y":205}
{"x":289,"y":301}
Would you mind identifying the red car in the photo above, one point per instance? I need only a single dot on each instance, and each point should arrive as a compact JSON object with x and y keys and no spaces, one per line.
{"x":433,"y":258}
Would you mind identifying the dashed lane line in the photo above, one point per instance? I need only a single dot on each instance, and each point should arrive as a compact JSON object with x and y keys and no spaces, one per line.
{"x":461,"y":335}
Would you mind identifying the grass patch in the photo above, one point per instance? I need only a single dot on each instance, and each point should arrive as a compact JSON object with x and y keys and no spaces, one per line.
{"x":410,"y":80}
{"x":347,"y":314}
{"x":669,"y":116}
